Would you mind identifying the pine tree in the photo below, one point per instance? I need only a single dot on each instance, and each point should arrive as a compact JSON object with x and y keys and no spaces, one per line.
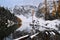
{"x":6,"y":15}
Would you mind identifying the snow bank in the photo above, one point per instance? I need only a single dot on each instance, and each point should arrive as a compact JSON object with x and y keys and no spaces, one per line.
{"x":43,"y":23}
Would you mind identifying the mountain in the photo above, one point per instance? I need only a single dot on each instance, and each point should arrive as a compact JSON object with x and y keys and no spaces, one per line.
{"x":24,"y":10}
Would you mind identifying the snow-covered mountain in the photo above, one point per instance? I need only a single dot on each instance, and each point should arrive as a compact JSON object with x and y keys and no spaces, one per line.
{"x":24,"y":10}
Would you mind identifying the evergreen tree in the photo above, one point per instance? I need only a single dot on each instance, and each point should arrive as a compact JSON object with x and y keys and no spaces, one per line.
{"x":6,"y":15}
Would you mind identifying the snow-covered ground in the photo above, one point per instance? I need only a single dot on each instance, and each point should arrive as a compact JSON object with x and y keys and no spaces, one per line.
{"x":43,"y":23}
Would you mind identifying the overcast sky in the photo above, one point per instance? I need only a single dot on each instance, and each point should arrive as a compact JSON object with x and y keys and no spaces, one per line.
{"x":11,"y":3}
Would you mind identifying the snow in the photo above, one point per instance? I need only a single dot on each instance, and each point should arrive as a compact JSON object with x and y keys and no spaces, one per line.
{"x":52,"y":33}
{"x":26,"y":23}
{"x":50,"y":24}
{"x":21,"y":37}
{"x":34,"y":35}
{"x":27,"y":36}
{"x":10,"y":23}
{"x":42,"y":22}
